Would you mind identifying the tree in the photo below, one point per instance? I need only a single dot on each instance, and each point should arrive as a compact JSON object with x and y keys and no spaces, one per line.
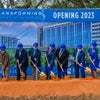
{"x":20,"y":3}
{"x":49,"y":3}
{"x":77,"y":4}
{"x":11,"y":3}
{"x":1,"y":4}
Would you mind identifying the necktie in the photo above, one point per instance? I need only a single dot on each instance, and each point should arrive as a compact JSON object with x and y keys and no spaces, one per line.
{"x":60,"y":53}
{"x":19,"y":52}
{"x":77,"y":56}
{"x":34,"y":52}
{"x":49,"y":51}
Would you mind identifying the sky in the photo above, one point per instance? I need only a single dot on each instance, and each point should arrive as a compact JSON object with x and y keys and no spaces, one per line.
{"x":26,"y":32}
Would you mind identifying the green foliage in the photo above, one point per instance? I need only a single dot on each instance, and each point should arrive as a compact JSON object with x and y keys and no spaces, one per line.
{"x":12,"y":56}
{"x":77,"y":4}
{"x":61,"y":5}
{"x":43,"y":60}
{"x":96,"y":3}
{"x":50,"y":4}
{"x":99,"y":52}
{"x":70,"y":50}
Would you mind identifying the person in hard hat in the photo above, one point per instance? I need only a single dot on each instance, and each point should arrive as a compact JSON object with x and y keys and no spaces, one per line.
{"x":34,"y":56}
{"x":79,"y":59}
{"x":50,"y":59}
{"x":62,"y":58}
{"x":22,"y":61}
{"x":94,"y":60}
{"x":5,"y":62}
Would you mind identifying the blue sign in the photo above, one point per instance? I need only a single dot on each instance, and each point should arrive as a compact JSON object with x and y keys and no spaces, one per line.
{"x":49,"y":15}
{"x":13,"y":71}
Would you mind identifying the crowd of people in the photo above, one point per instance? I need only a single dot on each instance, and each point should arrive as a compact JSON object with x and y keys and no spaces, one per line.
{"x":60,"y":54}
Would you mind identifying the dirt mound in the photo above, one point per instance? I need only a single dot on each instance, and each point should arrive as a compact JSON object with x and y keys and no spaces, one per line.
{"x":72,"y":88}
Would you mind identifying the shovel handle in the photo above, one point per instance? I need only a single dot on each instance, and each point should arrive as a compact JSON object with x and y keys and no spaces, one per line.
{"x":35,"y":66}
{"x":18,"y":65}
{"x":60,"y":65}
{"x":76,"y":62}
{"x":21,"y":72}
{"x":91,"y":60}
{"x":47,"y":60}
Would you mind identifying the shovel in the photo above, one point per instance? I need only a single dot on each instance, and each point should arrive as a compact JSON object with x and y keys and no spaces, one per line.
{"x":87,"y":70}
{"x":51,"y":72}
{"x":97,"y":69}
{"x":21,"y":72}
{"x":63,"y":72}
{"x":42,"y":74}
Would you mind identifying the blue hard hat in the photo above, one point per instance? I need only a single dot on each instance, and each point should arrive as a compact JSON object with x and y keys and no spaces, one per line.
{"x":35,"y":44}
{"x":62,"y":46}
{"x":3,"y":47}
{"x":20,"y":45}
{"x":52,"y":45}
{"x":79,"y":46}
{"x":94,"y":44}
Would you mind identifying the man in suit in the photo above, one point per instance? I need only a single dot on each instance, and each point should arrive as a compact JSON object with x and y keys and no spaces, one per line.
{"x":22,"y":61}
{"x":34,"y":56}
{"x":50,"y":60}
{"x":93,"y":55}
{"x":79,"y":59}
{"x":5,"y":62}
{"x":62,"y":57}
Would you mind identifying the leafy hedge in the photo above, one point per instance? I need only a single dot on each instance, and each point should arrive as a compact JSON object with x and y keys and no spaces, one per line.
{"x":43,"y":59}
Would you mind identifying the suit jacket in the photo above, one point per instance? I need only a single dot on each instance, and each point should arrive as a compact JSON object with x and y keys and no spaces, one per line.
{"x":35,"y":58}
{"x":51,"y":57}
{"x":81,"y":57}
{"x":5,"y":59}
{"x":23,"y":58}
{"x":94,"y":56}
{"x":63,"y":59}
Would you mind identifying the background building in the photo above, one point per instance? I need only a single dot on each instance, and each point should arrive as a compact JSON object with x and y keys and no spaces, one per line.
{"x":69,"y":33}
{"x":8,"y":41}
{"x":96,"y":32}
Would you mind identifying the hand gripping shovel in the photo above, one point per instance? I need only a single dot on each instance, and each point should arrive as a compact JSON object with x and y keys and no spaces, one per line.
{"x":21,"y":72}
{"x":61,"y":67}
{"x":87,"y":69}
{"x":42,"y":74}
{"x":4,"y":78}
{"x":63,"y":72}
{"x":51,"y":72}
{"x":97,"y":69}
